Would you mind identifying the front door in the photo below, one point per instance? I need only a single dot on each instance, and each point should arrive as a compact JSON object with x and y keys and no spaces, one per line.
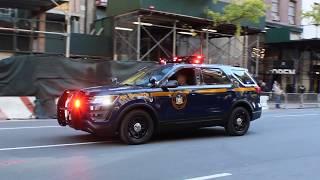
{"x":182,"y":103}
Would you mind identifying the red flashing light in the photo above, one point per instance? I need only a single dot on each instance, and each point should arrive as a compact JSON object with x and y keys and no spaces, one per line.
{"x":196,"y":61}
{"x":175,"y":59}
{"x":162,"y":61}
{"x":199,"y":57}
{"x":77,"y":103}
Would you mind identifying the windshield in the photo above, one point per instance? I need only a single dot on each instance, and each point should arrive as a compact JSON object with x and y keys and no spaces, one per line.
{"x":142,"y":77}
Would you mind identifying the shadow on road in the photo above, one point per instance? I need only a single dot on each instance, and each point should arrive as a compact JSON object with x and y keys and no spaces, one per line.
{"x":191,"y":134}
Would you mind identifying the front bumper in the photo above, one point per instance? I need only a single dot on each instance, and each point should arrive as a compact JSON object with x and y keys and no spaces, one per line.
{"x":83,"y":123}
{"x":256,"y":115}
{"x":91,"y":118}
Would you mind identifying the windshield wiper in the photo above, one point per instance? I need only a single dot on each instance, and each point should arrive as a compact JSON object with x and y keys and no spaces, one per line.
{"x":126,"y":84}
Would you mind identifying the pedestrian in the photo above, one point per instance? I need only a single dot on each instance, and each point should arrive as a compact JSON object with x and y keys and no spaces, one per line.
{"x":302,"y":89}
{"x":277,"y":91}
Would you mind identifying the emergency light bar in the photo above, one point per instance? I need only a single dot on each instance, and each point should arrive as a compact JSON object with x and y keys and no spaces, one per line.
{"x":195,"y":59}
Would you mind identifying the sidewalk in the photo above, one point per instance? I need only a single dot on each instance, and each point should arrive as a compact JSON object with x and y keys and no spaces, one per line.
{"x":294,"y":106}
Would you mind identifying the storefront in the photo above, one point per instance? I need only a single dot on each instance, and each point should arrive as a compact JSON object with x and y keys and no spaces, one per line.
{"x":292,"y":64}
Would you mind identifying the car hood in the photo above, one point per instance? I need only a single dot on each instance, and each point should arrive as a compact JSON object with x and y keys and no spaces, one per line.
{"x":105,"y":90}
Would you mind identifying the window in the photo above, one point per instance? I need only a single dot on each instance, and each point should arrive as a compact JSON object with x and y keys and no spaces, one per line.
{"x":292,"y":13}
{"x":5,"y":11}
{"x":275,"y":10}
{"x":243,"y":76}
{"x":214,"y":77}
{"x":142,"y":77}
{"x":185,"y":77}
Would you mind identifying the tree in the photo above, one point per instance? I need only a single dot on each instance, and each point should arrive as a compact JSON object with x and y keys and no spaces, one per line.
{"x":313,"y":15}
{"x":238,"y":11}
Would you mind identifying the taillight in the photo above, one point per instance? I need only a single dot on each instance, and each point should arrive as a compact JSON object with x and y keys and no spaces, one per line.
{"x":258,"y":89}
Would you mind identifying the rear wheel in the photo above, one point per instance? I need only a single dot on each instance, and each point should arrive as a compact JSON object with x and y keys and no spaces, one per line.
{"x":137,"y":127}
{"x":239,"y":122}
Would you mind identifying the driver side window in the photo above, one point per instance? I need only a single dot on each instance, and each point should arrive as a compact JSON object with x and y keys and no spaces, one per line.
{"x":185,"y":77}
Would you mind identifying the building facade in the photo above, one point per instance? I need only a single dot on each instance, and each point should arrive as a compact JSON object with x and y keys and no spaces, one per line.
{"x":37,"y":27}
{"x":289,"y":59}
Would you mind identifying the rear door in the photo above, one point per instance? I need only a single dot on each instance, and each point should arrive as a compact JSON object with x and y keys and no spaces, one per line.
{"x":215,"y":92}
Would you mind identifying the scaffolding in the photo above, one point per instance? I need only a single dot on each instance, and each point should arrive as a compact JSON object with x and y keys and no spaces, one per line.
{"x":147,"y":35}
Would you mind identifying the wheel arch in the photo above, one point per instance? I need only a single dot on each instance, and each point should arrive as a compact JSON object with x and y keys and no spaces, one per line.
{"x":245,"y":104}
{"x":139,"y":106}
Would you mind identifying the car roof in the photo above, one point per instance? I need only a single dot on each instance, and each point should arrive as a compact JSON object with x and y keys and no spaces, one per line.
{"x":220,"y":66}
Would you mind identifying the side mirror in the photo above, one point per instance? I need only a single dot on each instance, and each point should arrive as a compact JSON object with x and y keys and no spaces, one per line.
{"x":153,"y":80}
{"x":170,"y":84}
{"x":114,"y":80}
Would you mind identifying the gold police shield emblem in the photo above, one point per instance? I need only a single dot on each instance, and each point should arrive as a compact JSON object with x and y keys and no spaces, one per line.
{"x":179,"y":100}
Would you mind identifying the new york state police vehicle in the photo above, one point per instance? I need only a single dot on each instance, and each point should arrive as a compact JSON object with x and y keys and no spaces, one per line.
{"x":171,"y":95}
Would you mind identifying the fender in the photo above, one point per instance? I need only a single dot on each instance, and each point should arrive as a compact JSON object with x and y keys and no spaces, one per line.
{"x":130,"y":107}
{"x":242,"y":102}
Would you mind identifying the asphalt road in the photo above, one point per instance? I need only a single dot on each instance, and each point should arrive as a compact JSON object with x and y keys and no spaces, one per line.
{"x":282,"y":145}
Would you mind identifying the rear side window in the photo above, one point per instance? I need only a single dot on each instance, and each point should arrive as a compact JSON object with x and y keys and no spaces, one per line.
{"x":214,"y":77}
{"x":243,"y":76}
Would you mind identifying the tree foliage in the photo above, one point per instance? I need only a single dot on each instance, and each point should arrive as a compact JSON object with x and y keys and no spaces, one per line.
{"x":313,"y":14}
{"x":238,"y":11}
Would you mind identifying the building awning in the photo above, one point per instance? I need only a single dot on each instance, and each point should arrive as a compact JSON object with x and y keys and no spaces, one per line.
{"x":312,"y":44}
{"x":32,"y":5}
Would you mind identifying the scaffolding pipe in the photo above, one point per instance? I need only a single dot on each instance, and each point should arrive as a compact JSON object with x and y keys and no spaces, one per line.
{"x":174,"y":48}
{"x":138,"y":38}
{"x":207,"y":47}
{"x":68,"y":34}
{"x":68,"y":21}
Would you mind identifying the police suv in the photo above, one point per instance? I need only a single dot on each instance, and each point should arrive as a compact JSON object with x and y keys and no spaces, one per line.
{"x":168,"y":95}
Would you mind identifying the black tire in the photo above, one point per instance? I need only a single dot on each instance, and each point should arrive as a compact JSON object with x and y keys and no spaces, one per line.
{"x":137,"y":127}
{"x":239,"y":122}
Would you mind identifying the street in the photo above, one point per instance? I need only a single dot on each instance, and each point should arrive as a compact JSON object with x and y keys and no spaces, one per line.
{"x":283,"y":144}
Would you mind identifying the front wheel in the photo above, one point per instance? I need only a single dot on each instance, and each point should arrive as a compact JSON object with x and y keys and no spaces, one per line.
{"x":238,"y":123}
{"x":137,"y":127}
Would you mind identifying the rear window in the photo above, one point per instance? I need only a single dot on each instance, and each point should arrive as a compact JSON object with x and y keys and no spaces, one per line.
{"x":243,"y":76}
{"x":214,"y":77}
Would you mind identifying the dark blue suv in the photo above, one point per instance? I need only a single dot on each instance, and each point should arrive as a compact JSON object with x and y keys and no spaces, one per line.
{"x":171,"y":95}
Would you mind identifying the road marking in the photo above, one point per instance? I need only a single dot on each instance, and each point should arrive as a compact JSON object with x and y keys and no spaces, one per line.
{"x":214,"y":176}
{"x":27,"y":120}
{"x":53,"y":145}
{"x":296,"y":115}
{"x":29,"y":127}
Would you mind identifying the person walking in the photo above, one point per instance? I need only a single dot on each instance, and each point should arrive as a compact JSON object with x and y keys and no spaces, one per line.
{"x":277,"y":93}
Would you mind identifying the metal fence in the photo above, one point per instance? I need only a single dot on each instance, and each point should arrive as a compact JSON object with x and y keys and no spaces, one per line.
{"x":291,"y":100}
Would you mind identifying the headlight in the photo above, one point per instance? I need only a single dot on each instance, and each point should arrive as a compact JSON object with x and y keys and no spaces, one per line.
{"x":104,"y":100}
